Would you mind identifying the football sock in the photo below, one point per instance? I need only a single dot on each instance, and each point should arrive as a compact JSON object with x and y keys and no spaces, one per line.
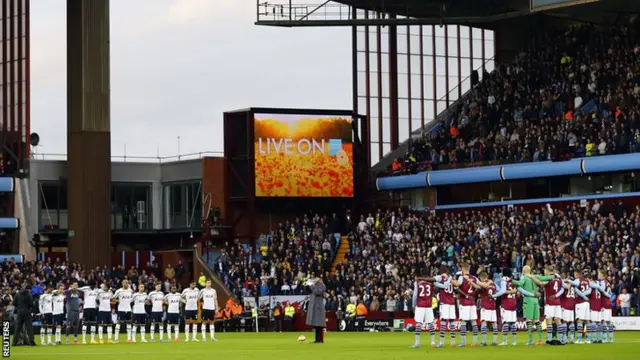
{"x":195,"y":331}
{"x":432,"y":333}
{"x":452,"y":330}
{"x":579,"y":330}
{"x":494,"y":329}
{"x":84,"y":333}
{"x":483,"y":328}
{"x":417,"y":334}
{"x":474,"y":329}
{"x":530,"y":330}
{"x":463,"y":333}
{"x":539,"y":328}
{"x":443,"y":328}
{"x":549,"y":330}
{"x":505,"y":332}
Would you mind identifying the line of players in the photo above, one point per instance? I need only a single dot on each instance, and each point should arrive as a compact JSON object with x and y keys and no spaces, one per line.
{"x":570,"y":307}
{"x":97,"y":304}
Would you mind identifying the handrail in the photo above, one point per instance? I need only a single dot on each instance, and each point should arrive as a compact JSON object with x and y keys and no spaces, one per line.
{"x":214,"y":278}
{"x":148,"y":159}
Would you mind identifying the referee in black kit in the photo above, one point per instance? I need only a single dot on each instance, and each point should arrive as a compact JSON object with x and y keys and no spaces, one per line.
{"x":23,"y":332}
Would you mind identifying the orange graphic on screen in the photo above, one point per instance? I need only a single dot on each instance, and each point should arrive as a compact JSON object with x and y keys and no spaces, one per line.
{"x":303,"y":155}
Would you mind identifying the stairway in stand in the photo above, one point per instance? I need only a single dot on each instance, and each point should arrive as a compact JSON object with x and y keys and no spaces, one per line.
{"x":340,"y":254}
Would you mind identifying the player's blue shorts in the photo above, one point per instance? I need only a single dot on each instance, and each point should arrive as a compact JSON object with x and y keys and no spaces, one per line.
{"x":191,"y":315}
{"x":58,"y":319}
{"x":208,"y":315}
{"x":124,"y":316}
{"x":173,"y":319}
{"x":139,"y":319}
{"x":156,"y":317}
{"x":90,"y":315}
{"x":104,"y":317}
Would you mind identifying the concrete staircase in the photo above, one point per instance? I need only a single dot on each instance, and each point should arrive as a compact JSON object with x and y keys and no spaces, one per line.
{"x":341,"y":254}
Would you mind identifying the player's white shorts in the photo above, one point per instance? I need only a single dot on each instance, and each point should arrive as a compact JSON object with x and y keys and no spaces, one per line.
{"x":552,"y":312}
{"x":568,"y":316}
{"x":582,"y":311}
{"x":447,"y":312}
{"x":424,"y":315}
{"x":468,"y":313}
{"x":508,"y":316}
{"x":595,"y":316}
{"x":605,"y":315}
{"x":488,"y":315}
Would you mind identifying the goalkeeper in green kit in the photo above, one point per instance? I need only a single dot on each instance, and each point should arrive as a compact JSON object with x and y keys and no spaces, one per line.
{"x":531,"y":307}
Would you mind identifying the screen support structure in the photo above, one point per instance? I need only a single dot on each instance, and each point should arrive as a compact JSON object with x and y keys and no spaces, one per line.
{"x":239,"y":182}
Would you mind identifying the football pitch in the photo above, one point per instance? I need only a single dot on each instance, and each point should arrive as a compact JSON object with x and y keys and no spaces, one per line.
{"x":357,"y":346}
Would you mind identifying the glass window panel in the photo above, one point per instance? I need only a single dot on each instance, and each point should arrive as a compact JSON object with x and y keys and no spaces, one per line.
{"x":465,"y":51}
{"x":375,"y":155}
{"x":477,"y":49}
{"x":440,"y":47}
{"x":386,"y":129}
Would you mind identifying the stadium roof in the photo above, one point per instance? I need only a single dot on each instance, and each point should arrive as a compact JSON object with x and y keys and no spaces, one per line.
{"x":481,"y":13}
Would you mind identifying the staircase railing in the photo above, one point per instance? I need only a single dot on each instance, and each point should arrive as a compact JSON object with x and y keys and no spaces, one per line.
{"x":218,"y":284}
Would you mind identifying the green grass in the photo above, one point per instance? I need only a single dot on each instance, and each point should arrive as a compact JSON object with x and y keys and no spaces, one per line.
{"x":358,"y":346}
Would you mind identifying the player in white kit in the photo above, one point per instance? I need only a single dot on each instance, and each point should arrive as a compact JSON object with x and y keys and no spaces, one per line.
{"x":190,"y":300}
{"x":173,"y":301}
{"x":104,"y":313}
{"x":124,"y":296}
{"x":156,"y":298}
{"x":59,"y":298}
{"x":139,"y":314}
{"x":89,"y":311}
{"x":46,"y":310}
{"x":209,"y":298}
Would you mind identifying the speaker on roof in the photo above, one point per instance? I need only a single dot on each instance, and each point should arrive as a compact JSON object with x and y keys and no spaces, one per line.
{"x":475,"y":78}
{"x":34,"y":138}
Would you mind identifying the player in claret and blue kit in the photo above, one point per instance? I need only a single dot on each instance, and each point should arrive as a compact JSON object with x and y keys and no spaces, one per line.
{"x":508,"y":307}
{"x":467,"y":290}
{"x":424,"y":291}
{"x":447,"y":307}
{"x":488,"y":309}
{"x":606,"y":324}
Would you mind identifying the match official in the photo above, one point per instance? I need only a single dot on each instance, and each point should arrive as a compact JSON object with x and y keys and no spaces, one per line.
{"x":23,"y":303}
{"x":315,"y":310}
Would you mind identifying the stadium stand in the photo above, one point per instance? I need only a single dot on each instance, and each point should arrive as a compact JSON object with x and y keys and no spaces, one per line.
{"x":388,"y":248}
{"x":571,"y":93}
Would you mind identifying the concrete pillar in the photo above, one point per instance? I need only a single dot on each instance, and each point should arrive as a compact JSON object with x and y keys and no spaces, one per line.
{"x":88,"y":127}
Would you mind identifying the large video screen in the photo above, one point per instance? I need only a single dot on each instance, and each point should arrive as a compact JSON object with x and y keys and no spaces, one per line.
{"x":303,"y":155}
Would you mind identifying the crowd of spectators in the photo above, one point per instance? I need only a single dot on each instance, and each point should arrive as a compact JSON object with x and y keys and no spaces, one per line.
{"x":387,"y":248}
{"x":571,"y":93}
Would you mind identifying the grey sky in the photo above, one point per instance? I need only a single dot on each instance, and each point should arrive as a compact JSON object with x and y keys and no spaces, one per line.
{"x":177,"y":65}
